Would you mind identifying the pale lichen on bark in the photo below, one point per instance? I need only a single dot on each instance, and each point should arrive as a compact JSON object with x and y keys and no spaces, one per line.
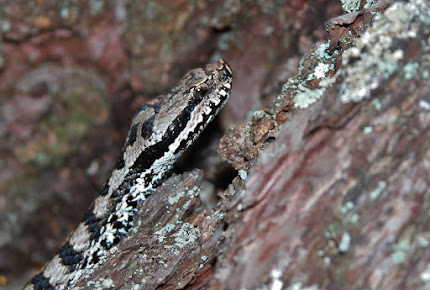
{"x":378,"y":53}
{"x":340,"y":196}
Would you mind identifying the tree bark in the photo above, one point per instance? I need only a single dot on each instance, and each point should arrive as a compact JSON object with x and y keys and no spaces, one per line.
{"x":333,"y":183}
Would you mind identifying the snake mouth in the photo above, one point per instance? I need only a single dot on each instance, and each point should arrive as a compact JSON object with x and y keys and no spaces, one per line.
{"x":225,"y":78}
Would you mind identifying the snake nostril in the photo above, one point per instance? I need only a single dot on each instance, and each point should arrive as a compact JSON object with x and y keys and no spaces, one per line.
{"x":225,"y":69}
{"x":225,"y":74}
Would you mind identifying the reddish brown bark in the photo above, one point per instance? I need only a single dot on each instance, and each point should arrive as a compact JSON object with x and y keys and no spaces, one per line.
{"x":334,"y":195}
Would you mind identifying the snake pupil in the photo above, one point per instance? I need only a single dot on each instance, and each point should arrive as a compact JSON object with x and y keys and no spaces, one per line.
{"x":202,"y":90}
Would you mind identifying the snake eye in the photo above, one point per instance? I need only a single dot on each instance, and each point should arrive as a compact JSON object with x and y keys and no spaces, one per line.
{"x":202,"y":90}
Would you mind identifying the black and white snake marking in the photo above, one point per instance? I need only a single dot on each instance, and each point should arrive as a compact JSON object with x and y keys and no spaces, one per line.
{"x":159,"y":134}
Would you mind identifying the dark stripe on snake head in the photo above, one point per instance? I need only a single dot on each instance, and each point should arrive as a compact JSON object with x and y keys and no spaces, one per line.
{"x":147,"y":129}
{"x":120,"y":163}
{"x":156,"y":107}
{"x":105,"y":190}
{"x":156,"y":151}
{"x":201,"y":126}
{"x":132,"y":135}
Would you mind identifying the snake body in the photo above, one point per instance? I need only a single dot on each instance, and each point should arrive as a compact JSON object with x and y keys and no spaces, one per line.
{"x":160,"y":132}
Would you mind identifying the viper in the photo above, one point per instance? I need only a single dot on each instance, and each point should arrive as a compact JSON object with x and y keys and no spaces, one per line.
{"x":160,"y":132}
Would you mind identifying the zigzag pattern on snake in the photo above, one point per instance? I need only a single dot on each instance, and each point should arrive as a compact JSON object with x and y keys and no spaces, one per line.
{"x":160,"y":132}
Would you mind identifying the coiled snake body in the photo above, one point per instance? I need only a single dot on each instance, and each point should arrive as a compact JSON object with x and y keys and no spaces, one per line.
{"x":160,"y":132}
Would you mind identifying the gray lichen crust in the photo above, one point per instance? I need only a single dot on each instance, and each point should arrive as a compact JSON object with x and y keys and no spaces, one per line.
{"x":376,"y":55}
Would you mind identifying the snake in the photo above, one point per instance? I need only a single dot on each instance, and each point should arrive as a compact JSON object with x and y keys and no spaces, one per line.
{"x":160,"y":132}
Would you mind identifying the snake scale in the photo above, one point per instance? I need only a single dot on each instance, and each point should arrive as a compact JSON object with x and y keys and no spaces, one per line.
{"x":160,"y":132}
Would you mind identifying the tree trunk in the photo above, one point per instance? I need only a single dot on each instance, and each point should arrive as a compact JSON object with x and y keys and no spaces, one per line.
{"x":333,"y":183}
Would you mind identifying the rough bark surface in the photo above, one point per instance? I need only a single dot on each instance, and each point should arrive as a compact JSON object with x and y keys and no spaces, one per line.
{"x":340,"y":199}
{"x":333,"y":185}
{"x":174,"y":240}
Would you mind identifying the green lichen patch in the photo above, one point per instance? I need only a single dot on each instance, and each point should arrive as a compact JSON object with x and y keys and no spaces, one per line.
{"x":345,"y":243}
{"x":314,"y":68}
{"x":410,"y":70}
{"x":243,"y":174}
{"x":400,"y":252}
{"x":350,"y":5}
{"x":378,"y":53}
{"x":378,"y":190}
{"x":161,"y":233}
{"x":425,"y":277}
{"x":349,"y":205}
{"x":186,"y":236}
{"x":306,"y":97}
